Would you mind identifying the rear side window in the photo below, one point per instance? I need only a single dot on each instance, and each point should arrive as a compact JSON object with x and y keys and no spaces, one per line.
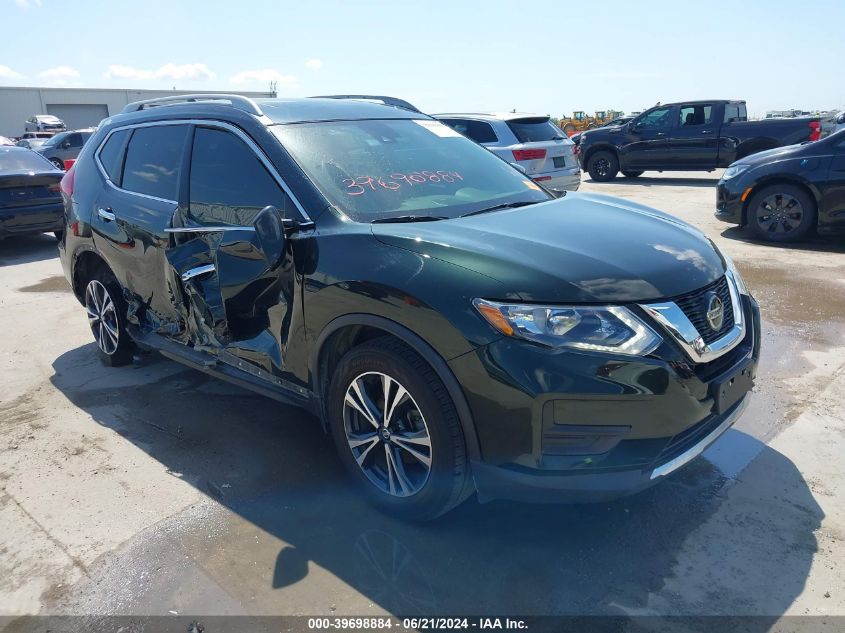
{"x":534,"y":130}
{"x":478,"y":131}
{"x":229,"y":184}
{"x":111,"y":156}
{"x":153,"y":160}
{"x":735,"y":112}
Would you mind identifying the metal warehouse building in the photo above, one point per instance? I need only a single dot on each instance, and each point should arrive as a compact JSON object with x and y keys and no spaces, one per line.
{"x":77,"y":107}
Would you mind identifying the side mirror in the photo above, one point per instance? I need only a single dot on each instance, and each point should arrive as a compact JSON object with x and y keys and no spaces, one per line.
{"x":520,"y":168}
{"x":270,"y":230}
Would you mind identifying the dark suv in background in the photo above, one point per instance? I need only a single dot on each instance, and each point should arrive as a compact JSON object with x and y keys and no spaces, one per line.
{"x":454,"y":326}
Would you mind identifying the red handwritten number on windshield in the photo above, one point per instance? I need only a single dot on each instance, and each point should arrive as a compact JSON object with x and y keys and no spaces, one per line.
{"x":358,"y":186}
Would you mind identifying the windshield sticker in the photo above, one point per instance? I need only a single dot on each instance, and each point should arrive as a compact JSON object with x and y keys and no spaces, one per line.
{"x":437,"y":127}
{"x":531,"y":185}
{"x":362,"y":184}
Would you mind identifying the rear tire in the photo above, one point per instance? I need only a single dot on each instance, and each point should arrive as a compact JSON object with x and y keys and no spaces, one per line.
{"x":603,"y":166}
{"x":421,"y":419}
{"x":632,"y":174}
{"x":781,"y":213}
{"x":107,"y":318}
{"x":59,"y":164}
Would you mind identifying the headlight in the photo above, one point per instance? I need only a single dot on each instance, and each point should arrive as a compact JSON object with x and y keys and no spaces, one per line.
{"x":740,"y":282}
{"x":596,"y":328}
{"x":734,"y":170}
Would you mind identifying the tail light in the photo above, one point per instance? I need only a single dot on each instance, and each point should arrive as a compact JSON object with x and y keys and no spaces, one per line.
{"x":66,"y":185}
{"x":55,"y":187}
{"x":529,"y":154}
{"x":815,"y":130}
{"x":542,"y":178}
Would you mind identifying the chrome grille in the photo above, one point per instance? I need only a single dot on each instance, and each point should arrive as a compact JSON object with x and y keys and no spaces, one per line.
{"x":694,"y":306}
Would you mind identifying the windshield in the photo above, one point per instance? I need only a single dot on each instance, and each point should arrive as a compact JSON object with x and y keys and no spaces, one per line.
{"x":55,"y":140}
{"x":22,"y":160}
{"x":535,"y":130}
{"x":376,"y":169}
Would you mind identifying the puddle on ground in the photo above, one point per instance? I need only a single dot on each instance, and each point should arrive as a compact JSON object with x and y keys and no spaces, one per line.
{"x":56,"y":283}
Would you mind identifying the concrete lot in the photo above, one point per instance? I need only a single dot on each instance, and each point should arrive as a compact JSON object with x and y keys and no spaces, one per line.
{"x":153,"y":489}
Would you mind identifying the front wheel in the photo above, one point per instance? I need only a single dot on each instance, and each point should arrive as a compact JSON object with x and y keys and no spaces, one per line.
{"x":632,"y":174}
{"x":107,"y":319}
{"x":397,"y":431}
{"x":603,"y":166}
{"x":781,"y":213}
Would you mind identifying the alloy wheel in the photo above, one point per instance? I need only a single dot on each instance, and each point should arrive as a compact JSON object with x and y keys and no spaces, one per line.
{"x":387,"y":434}
{"x":779,"y":213}
{"x":102,"y":317}
{"x":601,"y":166}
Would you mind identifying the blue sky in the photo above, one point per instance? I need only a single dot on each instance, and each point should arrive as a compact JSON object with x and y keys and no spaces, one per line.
{"x":534,"y":56}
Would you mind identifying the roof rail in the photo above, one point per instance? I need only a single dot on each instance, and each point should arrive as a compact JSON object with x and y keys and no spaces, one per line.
{"x":390,"y":101}
{"x":236,"y":101}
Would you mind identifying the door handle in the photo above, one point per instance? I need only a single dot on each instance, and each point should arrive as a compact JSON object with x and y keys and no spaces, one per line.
{"x":706,"y":131}
{"x":661,"y":134}
{"x":197,"y":271}
{"x":106,"y":214}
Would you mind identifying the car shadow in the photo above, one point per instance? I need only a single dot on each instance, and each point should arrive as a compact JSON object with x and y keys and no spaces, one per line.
{"x":683,"y":546}
{"x":650,"y":181}
{"x":813,"y":243}
{"x":26,"y":249}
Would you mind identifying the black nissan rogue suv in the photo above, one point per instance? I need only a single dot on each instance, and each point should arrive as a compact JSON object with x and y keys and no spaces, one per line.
{"x":454,"y":326}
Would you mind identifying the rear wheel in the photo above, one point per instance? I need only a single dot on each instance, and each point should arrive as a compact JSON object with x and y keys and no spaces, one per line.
{"x":603,"y":166}
{"x":632,"y":174}
{"x":107,"y":319}
{"x":397,"y":431}
{"x":781,"y":213}
{"x":59,"y":164}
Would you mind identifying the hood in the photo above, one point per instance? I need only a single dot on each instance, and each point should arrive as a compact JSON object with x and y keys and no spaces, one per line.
{"x":580,"y":248}
{"x":769,"y":155}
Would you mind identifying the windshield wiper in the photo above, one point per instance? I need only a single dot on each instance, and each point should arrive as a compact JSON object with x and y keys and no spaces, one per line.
{"x":497,"y":207}
{"x":409,"y":218}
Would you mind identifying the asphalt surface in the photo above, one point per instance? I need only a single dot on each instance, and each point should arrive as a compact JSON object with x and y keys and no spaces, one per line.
{"x":153,"y":489}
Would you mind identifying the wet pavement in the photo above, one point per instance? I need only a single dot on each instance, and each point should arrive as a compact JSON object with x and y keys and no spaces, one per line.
{"x":154,"y":489}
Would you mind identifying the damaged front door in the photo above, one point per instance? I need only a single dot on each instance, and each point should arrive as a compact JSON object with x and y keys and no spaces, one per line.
{"x":230,"y":255}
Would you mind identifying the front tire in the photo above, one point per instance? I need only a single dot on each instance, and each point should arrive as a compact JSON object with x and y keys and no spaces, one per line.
{"x":781,"y":213}
{"x":107,"y":319}
{"x":397,"y":431}
{"x":603,"y":166}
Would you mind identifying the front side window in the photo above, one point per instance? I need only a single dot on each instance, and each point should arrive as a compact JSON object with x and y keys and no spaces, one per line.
{"x":58,"y":139}
{"x":153,"y":160}
{"x":75,"y":140}
{"x":656,"y":119}
{"x":229,"y":184}
{"x":379,"y":169}
{"x":692,"y":115}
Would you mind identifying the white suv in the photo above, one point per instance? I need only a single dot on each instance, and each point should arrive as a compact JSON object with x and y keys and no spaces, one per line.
{"x":44,"y":123}
{"x":531,"y":141}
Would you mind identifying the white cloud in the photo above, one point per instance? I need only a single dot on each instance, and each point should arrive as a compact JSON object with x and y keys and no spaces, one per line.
{"x":26,"y":4}
{"x":168,"y":71}
{"x":314,"y":64}
{"x":8,"y":73}
{"x":265,"y":76}
{"x":59,"y":73}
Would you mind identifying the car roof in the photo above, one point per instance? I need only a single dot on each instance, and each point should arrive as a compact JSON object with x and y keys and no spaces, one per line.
{"x":490,"y":116}
{"x":321,"y":109}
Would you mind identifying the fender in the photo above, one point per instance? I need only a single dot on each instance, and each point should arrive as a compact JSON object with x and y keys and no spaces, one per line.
{"x":422,"y":348}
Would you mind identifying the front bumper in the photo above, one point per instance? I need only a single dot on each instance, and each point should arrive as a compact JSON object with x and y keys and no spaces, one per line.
{"x":562,"y":426}
{"x":27,"y":220}
{"x":729,"y":202}
{"x":560,"y":179}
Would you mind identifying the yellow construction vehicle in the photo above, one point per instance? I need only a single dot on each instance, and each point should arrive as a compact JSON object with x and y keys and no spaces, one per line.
{"x":580,"y":120}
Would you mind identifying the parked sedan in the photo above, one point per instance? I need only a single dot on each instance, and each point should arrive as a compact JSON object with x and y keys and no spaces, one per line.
{"x":31,"y":143}
{"x":6,"y":141}
{"x":533,"y":142}
{"x":30,"y":199}
{"x":65,"y":146}
{"x":784,"y":193}
{"x":44,"y":123}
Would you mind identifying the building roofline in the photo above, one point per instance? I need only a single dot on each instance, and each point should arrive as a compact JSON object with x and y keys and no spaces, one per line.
{"x":140,"y":90}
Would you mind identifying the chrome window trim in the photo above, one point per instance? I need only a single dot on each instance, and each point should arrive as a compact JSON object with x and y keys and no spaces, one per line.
{"x":213,"y":123}
{"x":207,"y":229}
{"x":673,"y":320}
